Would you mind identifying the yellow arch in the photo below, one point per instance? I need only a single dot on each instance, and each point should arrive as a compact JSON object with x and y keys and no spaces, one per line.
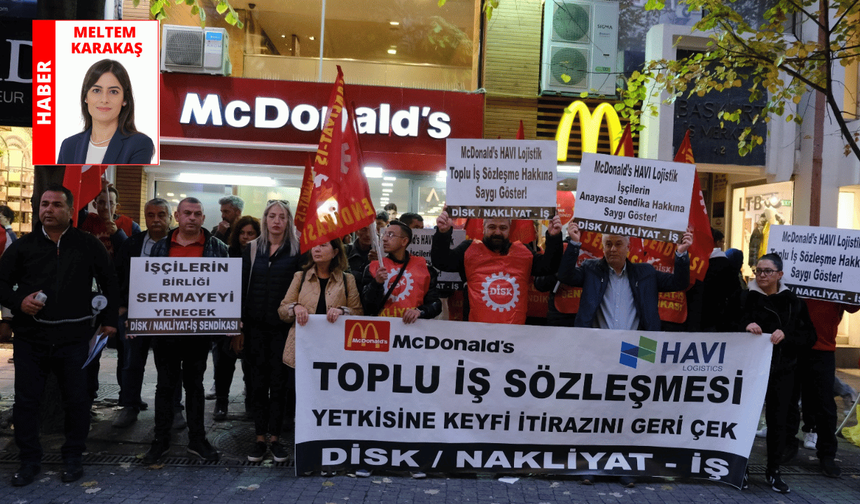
{"x":590,"y":124}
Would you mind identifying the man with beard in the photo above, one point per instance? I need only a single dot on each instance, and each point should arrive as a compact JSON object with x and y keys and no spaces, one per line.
{"x":497,"y":272}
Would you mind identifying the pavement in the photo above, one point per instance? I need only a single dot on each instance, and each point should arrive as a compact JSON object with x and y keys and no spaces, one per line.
{"x":114,"y":473}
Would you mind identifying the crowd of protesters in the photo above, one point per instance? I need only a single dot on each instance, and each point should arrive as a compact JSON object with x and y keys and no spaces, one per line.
{"x":46,"y":287}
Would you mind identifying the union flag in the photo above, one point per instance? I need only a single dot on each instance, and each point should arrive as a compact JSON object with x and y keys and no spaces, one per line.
{"x":85,"y":183}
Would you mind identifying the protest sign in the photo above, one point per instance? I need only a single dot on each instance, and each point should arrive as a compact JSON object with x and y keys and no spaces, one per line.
{"x":819,"y":262}
{"x":64,"y":52}
{"x":422,"y":240}
{"x":512,"y":179}
{"x":634,"y":197}
{"x":473,"y":397}
{"x":184,"y":296}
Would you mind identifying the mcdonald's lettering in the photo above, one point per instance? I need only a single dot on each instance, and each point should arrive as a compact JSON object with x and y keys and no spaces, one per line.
{"x":589,"y":127}
{"x":367,"y":335}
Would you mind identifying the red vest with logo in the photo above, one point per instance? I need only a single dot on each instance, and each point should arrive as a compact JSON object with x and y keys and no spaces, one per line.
{"x":498,"y":284}
{"x":410,"y":289}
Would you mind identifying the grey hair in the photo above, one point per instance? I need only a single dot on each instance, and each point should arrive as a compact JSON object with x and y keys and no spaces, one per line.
{"x":159,"y":202}
{"x":607,"y":235}
{"x":236,"y":201}
{"x":290,"y":233}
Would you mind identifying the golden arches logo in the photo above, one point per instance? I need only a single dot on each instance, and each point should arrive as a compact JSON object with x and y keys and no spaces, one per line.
{"x":367,"y":335}
{"x":590,"y":127}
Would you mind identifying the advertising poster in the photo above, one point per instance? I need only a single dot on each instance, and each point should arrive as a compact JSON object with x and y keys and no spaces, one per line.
{"x":422,"y":240}
{"x":82,"y":71}
{"x":512,"y":179}
{"x":485,"y":398}
{"x":819,"y":262}
{"x":634,"y":197}
{"x":184,"y":296}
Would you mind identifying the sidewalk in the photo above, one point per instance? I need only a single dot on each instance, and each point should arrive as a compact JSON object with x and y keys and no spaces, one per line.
{"x":113,"y":472}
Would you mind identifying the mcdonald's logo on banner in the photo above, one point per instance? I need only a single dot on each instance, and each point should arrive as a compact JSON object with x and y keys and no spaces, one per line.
{"x":590,"y":128}
{"x":367,"y":335}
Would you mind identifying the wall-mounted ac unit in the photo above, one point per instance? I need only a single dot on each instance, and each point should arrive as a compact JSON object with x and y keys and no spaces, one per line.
{"x":580,"y":47}
{"x":191,"y":49}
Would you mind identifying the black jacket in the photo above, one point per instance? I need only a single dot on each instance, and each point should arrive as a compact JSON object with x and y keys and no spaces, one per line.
{"x":133,"y":247}
{"x":268,"y":282}
{"x":64,"y":272}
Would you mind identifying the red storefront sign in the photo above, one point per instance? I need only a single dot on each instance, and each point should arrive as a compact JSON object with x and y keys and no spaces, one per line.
{"x":254,"y":121}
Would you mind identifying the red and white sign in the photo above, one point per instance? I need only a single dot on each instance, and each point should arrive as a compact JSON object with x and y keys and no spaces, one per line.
{"x":63,"y":52}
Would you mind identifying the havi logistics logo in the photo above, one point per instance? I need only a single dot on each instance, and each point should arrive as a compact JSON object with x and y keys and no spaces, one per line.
{"x":630,"y":353}
{"x":367,"y":335}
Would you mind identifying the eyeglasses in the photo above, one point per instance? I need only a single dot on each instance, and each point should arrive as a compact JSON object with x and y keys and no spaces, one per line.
{"x":285,"y":202}
{"x":392,"y":235}
{"x":765,"y":271}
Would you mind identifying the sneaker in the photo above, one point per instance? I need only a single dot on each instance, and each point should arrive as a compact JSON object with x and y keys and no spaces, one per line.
{"x":279,"y":452}
{"x":126,"y":417}
{"x":848,"y":401}
{"x":73,"y":471}
{"x":220,"y":413}
{"x":810,"y":439}
{"x":774,"y":479}
{"x":26,"y":474}
{"x":829,"y":468}
{"x":259,"y":452}
{"x":179,"y":420}
{"x":762,"y":433}
{"x":158,"y":449}
{"x":211,"y":394}
{"x":203,"y":450}
{"x":418,"y":475}
{"x":362,"y":473}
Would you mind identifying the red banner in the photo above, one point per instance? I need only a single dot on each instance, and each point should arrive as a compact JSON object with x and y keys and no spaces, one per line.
{"x":85,"y":183}
{"x":339,"y":201}
{"x":703,"y":240}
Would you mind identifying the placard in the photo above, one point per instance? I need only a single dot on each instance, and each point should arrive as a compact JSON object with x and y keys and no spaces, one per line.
{"x":512,"y":179}
{"x":422,"y":241}
{"x":634,"y":197}
{"x":467,"y":397}
{"x":63,"y":54}
{"x":818,"y":262}
{"x":184,"y":296}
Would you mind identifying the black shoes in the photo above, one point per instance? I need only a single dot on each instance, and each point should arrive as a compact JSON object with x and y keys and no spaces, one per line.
{"x":25,"y":474}
{"x":73,"y":472}
{"x":158,"y":449}
{"x":279,"y":452}
{"x":774,"y":479}
{"x":179,"y":422}
{"x":220,"y":413}
{"x":829,"y":468}
{"x":259,"y":452}
{"x":126,"y":417}
{"x":204,"y":450}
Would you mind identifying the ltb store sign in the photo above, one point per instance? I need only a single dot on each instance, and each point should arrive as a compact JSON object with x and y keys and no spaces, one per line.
{"x":273,"y":113}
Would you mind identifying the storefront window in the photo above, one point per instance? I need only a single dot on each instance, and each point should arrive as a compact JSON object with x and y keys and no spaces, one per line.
{"x":16,"y":176}
{"x":255,"y":197}
{"x":754,"y":210}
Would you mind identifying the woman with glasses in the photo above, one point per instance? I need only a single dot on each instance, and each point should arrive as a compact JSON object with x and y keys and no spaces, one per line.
{"x":769,"y":307}
{"x":268,"y":266}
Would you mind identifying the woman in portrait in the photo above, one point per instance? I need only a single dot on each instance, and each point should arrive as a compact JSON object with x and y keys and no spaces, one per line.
{"x":109,"y":136}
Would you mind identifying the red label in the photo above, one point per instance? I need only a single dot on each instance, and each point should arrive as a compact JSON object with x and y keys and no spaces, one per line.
{"x":367,"y":335}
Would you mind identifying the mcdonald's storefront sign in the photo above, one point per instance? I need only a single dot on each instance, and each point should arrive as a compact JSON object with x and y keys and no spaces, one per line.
{"x":590,"y":128}
{"x":367,"y":335}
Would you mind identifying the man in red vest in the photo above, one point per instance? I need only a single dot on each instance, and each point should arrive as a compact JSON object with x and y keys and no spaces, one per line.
{"x":497,"y":272}
{"x":404,"y":286}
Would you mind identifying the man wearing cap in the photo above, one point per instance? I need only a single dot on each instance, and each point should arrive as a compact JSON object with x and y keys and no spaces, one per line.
{"x":404,"y":286}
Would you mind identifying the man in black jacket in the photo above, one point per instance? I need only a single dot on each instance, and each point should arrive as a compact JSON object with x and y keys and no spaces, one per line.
{"x":56,"y":314}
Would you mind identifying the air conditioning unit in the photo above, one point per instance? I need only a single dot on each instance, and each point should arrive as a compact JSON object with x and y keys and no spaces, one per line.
{"x":580,"y":47}
{"x":191,"y":49}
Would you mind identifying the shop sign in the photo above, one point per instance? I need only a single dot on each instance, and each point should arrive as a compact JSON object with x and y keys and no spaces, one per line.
{"x":16,"y":73}
{"x":589,"y":127}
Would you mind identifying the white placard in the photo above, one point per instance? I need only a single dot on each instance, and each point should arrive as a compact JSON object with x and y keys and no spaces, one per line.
{"x":634,"y":197}
{"x":184,"y":296}
{"x":474,"y":397}
{"x":422,"y":241}
{"x":819,"y":262}
{"x":513,"y":179}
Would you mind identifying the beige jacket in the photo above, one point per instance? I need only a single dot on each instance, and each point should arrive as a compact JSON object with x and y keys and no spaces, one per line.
{"x":308,"y":294}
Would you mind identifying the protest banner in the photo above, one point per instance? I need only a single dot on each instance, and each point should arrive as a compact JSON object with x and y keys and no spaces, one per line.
{"x":184,"y":296}
{"x":474,"y":397}
{"x":422,"y":241}
{"x":819,"y":262}
{"x":634,"y":197}
{"x":511,"y":179}
{"x":63,"y":53}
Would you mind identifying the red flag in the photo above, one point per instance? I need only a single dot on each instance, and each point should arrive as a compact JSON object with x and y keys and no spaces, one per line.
{"x":305,"y":194}
{"x":625,"y":146}
{"x":85,"y":184}
{"x":521,"y":132}
{"x":339,"y":201}
{"x":703,"y":240}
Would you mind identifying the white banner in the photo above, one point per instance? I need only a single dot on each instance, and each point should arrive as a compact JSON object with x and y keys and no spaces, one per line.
{"x":184,"y":296}
{"x":819,"y":262}
{"x":422,"y":241}
{"x":473,"y":397}
{"x":634,"y":197}
{"x":512,"y":179}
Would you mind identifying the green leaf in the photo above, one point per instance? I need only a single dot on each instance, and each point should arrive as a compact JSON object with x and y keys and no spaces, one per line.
{"x":566,"y":78}
{"x":230,"y":19}
{"x":195,"y":10}
{"x":441,"y":3}
{"x":221,"y":8}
